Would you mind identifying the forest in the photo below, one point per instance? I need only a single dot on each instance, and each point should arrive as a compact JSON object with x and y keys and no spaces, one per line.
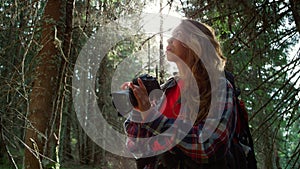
{"x":41,"y":42}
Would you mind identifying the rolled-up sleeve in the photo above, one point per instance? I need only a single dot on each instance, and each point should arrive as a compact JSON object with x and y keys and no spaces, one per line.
{"x":192,"y":144}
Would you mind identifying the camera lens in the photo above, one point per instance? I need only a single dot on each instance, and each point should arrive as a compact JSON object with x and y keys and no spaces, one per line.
{"x":122,"y":102}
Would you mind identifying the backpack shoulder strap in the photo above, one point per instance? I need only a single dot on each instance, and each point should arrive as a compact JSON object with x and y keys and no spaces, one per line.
{"x":171,"y":82}
{"x":229,"y":76}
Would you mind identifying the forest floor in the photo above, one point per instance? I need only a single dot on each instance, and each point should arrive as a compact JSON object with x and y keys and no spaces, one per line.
{"x":110,"y":163}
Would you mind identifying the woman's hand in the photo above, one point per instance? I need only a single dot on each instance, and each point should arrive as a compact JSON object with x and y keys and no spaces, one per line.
{"x":125,"y":86}
{"x":141,"y":95}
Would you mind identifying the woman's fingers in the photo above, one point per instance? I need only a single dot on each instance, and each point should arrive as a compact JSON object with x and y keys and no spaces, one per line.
{"x":141,"y":84}
{"x":141,"y":96}
{"x":125,"y":85}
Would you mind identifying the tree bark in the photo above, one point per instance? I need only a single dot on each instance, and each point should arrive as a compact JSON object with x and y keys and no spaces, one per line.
{"x":161,"y":48}
{"x":295,"y":7}
{"x":44,"y":90}
{"x":64,"y":78}
{"x":268,"y":155}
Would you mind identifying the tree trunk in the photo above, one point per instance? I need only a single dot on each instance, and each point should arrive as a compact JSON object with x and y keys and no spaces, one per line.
{"x":67,"y":150}
{"x":64,"y":79}
{"x":43,"y":94}
{"x":161,"y":48}
{"x":295,"y":7}
{"x":267,"y":149}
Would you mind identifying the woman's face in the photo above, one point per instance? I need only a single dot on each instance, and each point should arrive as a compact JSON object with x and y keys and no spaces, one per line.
{"x":176,"y":51}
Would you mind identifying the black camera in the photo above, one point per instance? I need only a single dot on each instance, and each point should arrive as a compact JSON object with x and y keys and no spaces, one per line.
{"x":125,"y":100}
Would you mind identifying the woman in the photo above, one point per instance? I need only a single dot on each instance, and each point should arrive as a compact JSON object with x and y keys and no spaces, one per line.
{"x":198,"y":109}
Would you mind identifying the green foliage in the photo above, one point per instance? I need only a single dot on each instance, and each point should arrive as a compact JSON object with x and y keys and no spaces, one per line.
{"x":19,"y":46}
{"x":19,"y":32}
{"x":256,"y":37}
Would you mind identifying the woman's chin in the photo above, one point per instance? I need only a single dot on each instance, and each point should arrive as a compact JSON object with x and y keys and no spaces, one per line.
{"x":171,"y":57}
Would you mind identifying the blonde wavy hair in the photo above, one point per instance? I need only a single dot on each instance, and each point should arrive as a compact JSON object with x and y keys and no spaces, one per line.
{"x":204,"y":57}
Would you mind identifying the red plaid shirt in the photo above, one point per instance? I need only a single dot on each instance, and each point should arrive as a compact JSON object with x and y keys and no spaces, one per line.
{"x":213,"y":149}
